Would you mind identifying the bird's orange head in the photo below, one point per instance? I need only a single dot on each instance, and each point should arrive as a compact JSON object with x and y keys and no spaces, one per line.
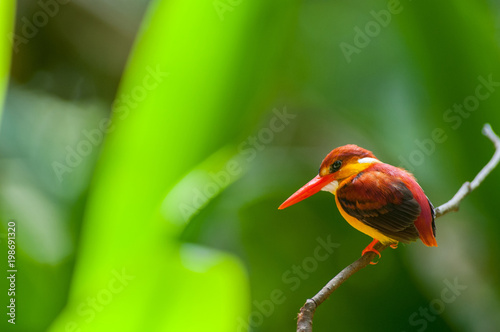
{"x":339,"y":164}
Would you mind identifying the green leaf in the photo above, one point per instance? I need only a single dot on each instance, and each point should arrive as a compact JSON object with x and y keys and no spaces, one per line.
{"x":176,"y":107}
{"x":7,"y":14}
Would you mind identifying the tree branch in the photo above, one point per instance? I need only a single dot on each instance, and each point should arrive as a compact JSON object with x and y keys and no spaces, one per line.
{"x":467,"y":187}
{"x":305,"y":317}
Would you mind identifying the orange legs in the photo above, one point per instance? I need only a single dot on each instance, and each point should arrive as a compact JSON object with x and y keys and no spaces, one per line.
{"x":370,"y":248}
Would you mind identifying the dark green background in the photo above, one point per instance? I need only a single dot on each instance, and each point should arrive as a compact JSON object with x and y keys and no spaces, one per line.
{"x":166,"y":219}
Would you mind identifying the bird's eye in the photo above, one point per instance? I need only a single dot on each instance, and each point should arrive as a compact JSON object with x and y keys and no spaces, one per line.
{"x":335,"y":166}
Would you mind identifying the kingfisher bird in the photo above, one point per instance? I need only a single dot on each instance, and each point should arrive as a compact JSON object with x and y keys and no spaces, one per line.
{"x":378,"y":199}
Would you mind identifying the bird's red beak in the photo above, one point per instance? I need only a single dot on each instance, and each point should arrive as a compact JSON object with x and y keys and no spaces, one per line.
{"x":309,"y":189}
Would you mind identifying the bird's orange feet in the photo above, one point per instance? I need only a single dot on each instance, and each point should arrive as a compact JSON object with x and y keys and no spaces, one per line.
{"x":394,"y":245}
{"x":370,"y":248}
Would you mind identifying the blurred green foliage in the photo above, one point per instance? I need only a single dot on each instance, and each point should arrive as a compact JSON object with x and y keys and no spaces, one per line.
{"x":6,"y":27}
{"x":146,"y":147}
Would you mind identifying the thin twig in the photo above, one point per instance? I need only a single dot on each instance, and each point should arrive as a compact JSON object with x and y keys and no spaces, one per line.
{"x":305,"y":317}
{"x":304,"y":321}
{"x":467,"y":187}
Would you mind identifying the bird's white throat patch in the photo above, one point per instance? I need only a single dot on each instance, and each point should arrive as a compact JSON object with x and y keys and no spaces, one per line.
{"x":368,"y":160}
{"x":331,"y":187}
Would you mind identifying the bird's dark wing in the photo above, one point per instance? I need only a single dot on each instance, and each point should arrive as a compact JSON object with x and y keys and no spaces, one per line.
{"x":382,"y":202}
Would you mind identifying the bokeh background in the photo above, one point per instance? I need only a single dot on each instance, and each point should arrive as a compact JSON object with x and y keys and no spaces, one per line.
{"x":146,"y":145}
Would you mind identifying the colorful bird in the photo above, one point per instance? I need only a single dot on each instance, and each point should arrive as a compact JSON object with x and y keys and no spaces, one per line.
{"x":378,"y":199}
